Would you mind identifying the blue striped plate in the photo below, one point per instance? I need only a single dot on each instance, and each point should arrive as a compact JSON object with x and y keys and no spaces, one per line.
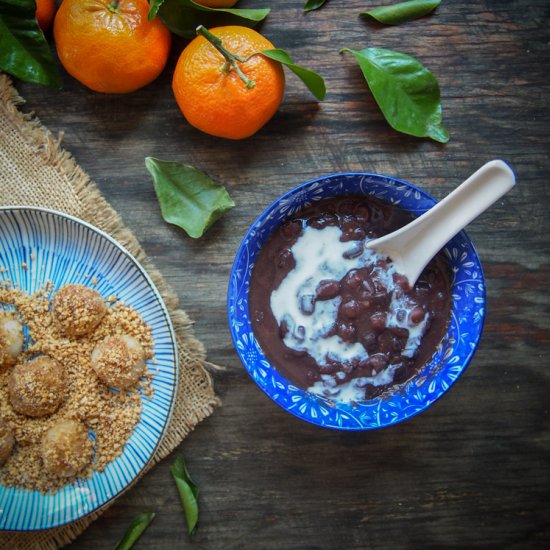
{"x":60,"y":248}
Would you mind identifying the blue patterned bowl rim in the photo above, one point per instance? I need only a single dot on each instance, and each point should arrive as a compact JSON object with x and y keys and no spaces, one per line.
{"x":25,"y":510}
{"x":432,"y":381}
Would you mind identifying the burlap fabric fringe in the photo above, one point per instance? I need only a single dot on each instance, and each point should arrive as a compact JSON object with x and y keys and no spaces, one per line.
{"x":36,"y":171}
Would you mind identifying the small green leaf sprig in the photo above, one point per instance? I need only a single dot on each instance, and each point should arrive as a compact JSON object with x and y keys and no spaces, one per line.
{"x":394,"y":14}
{"x":406,"y":92}
{"x":389,"y":15}
{"x":189,"y":493}
{"x":187,"y":197}
{"x":135,"y":530}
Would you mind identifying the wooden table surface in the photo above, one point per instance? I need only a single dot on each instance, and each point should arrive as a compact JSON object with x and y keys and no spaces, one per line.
{"x":473,"y":470}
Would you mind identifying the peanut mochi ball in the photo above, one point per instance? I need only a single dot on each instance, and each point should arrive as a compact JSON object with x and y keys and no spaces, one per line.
{"x":118,"y":361}
{"x":11,"y":339}
{"x":7,"y":441}
{"x":78,"y":310}
{"x":37,"y":387}
{"x":66,"y":448}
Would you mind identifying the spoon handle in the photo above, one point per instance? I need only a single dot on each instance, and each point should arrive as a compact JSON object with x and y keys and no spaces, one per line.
{"x":414,"y":245}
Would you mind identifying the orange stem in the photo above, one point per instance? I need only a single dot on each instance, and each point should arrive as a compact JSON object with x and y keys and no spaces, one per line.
{"x":230,"y":58}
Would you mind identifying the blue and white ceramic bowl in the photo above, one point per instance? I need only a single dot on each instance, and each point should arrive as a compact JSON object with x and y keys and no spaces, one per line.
{"x":431,"y":382}
{"x":37,"y":246}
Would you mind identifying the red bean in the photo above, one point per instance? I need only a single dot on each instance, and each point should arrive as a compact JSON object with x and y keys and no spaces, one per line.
{"x":354,"y":251}
{"x":353,"y":234}
{"x":417,"y":315}
{"x":365,"y":305}
{"x":370,"y":342}
{"x":362,"y":212}
{"x":378,"y":321}
{"x":327,"y":289}
{"x":291,"y":229}
{"x":352,"y":280}
{"x":329,"y":368}
{"x":401,"y":334}
{"x":401,"y":281}
{"x":351,"y":309}
{"x":391,"y":342}
{"x":348,"y":367}
{"x":377,"y":363}
{"x":346,"y":331}
{"x":318,"y":222}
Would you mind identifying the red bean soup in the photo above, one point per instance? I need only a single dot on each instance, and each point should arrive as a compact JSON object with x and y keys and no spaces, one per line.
{"x":334,"y":317}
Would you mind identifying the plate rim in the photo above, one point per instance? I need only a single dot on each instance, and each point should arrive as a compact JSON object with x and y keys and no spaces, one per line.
{"x":164,"y":308}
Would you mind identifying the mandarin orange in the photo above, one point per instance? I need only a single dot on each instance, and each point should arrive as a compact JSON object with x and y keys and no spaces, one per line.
{"x":45,"y":10}
{"x":109,"y":45}
{"x":228,"y":89}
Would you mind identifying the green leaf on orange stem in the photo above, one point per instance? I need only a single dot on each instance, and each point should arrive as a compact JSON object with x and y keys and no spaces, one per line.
{"x":402,"y":11}
{"x":406,"y":92}
{"x":154,"y":6}
{"x":183,"y":16}
{"x":24,"y":52}
{"x":188,"y":198}
{"x":311,"y":79}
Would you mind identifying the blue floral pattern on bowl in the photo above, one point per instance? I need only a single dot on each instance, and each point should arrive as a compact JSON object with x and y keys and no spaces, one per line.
{"x":431,"y":382}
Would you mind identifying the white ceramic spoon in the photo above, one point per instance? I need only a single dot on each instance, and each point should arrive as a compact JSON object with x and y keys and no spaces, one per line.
{"x":415,"y":244}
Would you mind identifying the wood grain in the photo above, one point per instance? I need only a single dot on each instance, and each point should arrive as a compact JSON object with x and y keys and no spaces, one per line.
{"x":473,"y":470}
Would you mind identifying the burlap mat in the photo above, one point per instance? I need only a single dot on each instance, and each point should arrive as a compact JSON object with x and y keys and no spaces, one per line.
{"x":36,"y":171}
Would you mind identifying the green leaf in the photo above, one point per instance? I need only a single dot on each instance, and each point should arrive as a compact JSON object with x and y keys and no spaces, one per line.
{"x":312,"y":80}
{"x":154,"y":6}
{"x":314,"y":4}
{"x":135,"y":530}
{"x":182,"y":17}
{"x":401,"y":12}
{"x":189,"y":493}
{"x":406,"y":92}
{"x":187,"y":197}
{"x":24,"y":52}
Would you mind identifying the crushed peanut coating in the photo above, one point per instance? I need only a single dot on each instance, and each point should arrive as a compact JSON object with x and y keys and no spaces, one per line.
{"x":78,"y":309}
{"x":7,"y":442}
{"x":109,"y":415}
{"x":37,"y":387}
